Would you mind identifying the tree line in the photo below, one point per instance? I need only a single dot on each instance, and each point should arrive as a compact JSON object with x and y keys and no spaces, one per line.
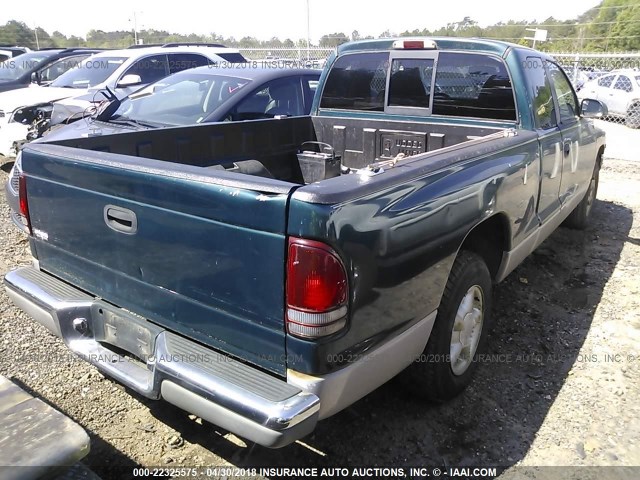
{"x":613,"y":25}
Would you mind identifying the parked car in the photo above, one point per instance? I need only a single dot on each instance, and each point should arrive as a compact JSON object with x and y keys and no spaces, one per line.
{"x":619,"y":90}
{"x":203,"y":95}
{"x":40,"y":67}
{"x":123,"y":71}
{"x":10,"y":51}
{"x":190,"y":97}
{"x":234,"y":271}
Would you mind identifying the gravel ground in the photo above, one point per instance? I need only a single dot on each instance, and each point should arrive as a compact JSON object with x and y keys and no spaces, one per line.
{"x":560,"y":385}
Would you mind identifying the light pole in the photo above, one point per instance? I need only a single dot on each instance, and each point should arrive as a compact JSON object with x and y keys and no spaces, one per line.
{"x":308,"y":31}
{"x":135,"y":27}
{"x":35,"y":31}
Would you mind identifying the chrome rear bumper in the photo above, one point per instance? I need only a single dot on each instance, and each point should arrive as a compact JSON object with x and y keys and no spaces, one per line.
{"x":217,"y":388}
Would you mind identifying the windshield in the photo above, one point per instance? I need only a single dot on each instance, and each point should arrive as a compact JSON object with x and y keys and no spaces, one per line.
{"x":91,"y":72}
{"x":181,"y":99}
{"x":15,"y":67}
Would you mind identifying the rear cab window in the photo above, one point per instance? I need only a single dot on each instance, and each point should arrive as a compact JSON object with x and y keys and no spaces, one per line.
{"x":473,"y":85}
{"x":410,"y":83}
{"x":421,"y":83}
{"x":357,"y":82}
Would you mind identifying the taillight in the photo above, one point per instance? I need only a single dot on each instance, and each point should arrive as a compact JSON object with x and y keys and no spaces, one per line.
{"x":317,"y":289}
{"x":24,"y":203}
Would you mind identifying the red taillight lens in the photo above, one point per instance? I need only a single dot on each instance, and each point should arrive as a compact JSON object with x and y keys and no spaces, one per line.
{"x":317,"y":289}
{"x":24,"y":204}
{"x":413,"y":44}
{"x":316,"y":280}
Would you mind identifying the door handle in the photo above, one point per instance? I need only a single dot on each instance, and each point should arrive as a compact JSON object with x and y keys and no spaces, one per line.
{"x":120,"y":219}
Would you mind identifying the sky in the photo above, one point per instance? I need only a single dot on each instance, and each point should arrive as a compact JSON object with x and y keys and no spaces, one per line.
{"x":264,"y":19}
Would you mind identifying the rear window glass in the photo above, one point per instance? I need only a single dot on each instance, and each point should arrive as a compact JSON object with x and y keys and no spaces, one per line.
{"x":471,"y":85}
{"x":357,"y":82}
{"x":410,"y":83}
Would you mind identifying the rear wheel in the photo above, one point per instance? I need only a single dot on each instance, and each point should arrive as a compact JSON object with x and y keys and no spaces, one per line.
{"x":579,"y":218}
{"x":459,"y":334}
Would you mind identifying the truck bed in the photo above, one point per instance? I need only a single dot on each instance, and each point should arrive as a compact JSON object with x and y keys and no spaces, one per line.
{"x":274,"y":143}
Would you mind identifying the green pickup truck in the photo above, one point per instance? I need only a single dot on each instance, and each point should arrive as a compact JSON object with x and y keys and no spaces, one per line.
{"x":263,"y":282}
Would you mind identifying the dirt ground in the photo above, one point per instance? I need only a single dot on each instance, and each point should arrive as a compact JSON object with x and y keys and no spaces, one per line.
{"x":560,"y":384}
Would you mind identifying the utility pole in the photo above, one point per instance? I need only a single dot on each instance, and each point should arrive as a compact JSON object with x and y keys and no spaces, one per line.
{"x":606,"y":45}
{"x":581,"y":38}
{"x":35,"y":31}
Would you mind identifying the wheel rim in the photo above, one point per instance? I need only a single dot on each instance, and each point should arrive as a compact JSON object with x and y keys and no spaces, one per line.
{"x":467,"y":328}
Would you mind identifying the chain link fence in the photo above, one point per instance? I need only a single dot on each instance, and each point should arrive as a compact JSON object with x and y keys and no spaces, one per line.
{"x":278,"y":57}
{"x":611,"y":78}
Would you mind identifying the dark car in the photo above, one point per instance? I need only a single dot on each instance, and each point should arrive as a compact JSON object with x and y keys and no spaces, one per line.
{"x":41,"y":67}
{"x":201,"y":95}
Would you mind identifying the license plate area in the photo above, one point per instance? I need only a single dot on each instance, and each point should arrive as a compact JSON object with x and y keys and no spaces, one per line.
{"x":124,"y":330}
{"x":394,"y":143}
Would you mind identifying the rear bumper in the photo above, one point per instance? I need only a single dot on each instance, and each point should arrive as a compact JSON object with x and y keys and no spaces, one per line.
{"x":219,"y":389}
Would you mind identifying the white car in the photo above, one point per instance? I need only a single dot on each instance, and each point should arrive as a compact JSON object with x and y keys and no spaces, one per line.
{"x":7,"y":52}
{"x":77,"y":91}
{"x":619,"y":90}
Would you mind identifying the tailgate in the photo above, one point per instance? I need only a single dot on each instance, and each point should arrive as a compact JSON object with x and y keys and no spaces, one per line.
{"x":197,"y":252}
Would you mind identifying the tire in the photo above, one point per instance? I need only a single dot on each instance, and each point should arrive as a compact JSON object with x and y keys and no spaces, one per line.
{"x":579,"y":218}
{"x":441,"y":373}
{"x":632,"y":119}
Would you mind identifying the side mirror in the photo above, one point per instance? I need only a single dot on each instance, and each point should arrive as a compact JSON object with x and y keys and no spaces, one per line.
{"x":35,"y":77}
{"x":129,"y":81}
{"x":590,"y":108}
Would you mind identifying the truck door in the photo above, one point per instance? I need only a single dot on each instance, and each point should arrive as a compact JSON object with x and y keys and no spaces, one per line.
{"x":550,"y":137}
{"x":576,"y":171}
